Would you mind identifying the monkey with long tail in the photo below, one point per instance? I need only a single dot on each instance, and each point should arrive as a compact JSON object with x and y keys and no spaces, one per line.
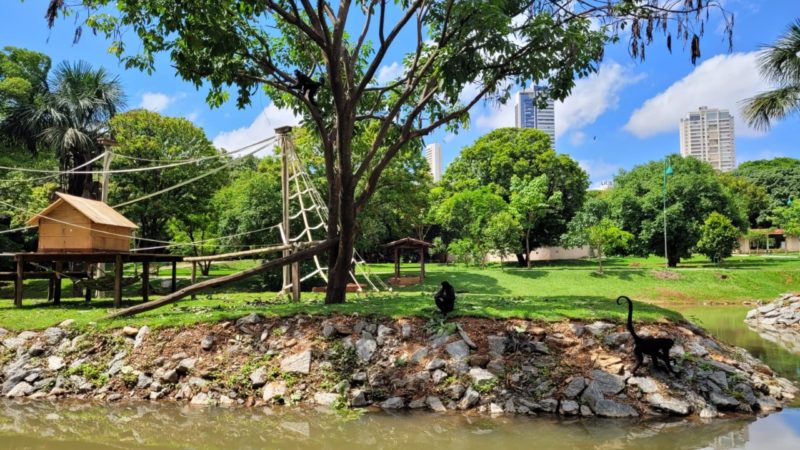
{"x":656,"y":348}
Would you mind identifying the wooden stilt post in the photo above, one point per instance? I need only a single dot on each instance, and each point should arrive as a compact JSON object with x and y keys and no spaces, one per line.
{"x":18,"y":283}
{"x":283,"y":133}
{"x":194,"y":276}
{"x":88,"y":293}
{"x":296,"y":282}
{"x":59,"y":268}
{"x":50,"y":289}
{"x":145,"y":281}
{"x":117,"y":281}
{"x":421,"y":264}
{"x":397,"y":263}
{"x":174,"y":276}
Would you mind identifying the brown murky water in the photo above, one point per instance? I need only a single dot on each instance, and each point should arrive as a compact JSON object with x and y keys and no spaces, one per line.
{"x":43,"y":425}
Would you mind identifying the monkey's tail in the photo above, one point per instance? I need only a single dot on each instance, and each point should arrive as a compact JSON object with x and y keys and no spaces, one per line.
{"x":630,"y":316}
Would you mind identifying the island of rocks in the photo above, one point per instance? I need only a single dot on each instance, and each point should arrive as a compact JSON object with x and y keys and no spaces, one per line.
{"x":495,"y":367}
{"x":778,"y":321}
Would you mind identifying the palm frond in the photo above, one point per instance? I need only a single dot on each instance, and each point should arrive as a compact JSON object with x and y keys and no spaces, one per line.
{"x":761,"y":110}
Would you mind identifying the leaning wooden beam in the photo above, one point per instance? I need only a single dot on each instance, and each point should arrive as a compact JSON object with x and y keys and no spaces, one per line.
{"x":255,"y":251}
{"x":214,"y":282}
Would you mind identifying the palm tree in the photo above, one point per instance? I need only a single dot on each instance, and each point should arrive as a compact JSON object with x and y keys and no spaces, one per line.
{"x":71,"y":119}
{"x":780,"y":64}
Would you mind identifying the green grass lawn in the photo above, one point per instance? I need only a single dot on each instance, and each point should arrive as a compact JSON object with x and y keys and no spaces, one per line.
{"x":551,"y":291}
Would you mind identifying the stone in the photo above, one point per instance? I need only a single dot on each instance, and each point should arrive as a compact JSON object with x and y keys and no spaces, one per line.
{"x":36,"y":350}
{"x":258,"y":377}
{"x":708,"y":412}
{"x":114,"y":397}
{"x":669,"y":404}
{"x":328,"y":330}
{"x":274,"y":390}
{"x":540,"y":347}
{"x":418,"y":403}
{"x":365,"y":348}
{"x":497,"y":345}
{"x":393,"y":403}
{"x":139,"y":340}
{"x":696,"y":349}
{"x":130,"y":331}
{"x":481,"y":376}
{"x":720,"y":379}
{"x":495,"y":409}
{"x":186,"y":365}
{"x":569,"y":408}
{"x":21,"y":389}
{"x":607,"y":383}
{"x":197,"y":382}
{"x":465,"y":337}
{"x":419,"y":354}
{"x":455,"y":391}
{"x":13,"y":343}
{"x":358,"y":398}
{"x":406,"y":330}
{"x":548,"y":405}
{"x":610,"y":408}
{"x":226,"y":401}
{"x":384,"y":331}
{"x":574,"y":388}
{"x":767,"y":404}
{"x":55,"y":363}
{"x":645,"y":384}
{"x":53,"y":335}
{"x":359,"y":377}
{"x":179,"y":356}
{"x":722,"y":400}
{"x":617,"y":339}
{"x":458,"y":350}
{"x":67,"y":323}
{"x":599,"y":327}
{"x":170,"y":376}
{"x":435,"y":404}
{"x":440,"y":340}
{"x":586,"y":411}
{"x":297,"y":363}
{"x":434,"y":364}
{"x":438,"y":376}
{"x":470,"y":398}
{"x":201,"y":399}
{"x":247,"y":323}
{"x":325,"y":398}
{"x":207,"y":343}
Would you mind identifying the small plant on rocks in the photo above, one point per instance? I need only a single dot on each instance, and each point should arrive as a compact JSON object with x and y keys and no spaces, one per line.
{"x":91,"y":372}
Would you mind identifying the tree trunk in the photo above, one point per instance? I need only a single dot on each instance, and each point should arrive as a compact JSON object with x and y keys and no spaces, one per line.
{"x":528,"y":248}
{"x":673,"y":260}
{"x":339,"y":272}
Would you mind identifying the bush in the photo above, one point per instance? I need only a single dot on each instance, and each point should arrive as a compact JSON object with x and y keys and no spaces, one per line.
{"x":718,"y":237}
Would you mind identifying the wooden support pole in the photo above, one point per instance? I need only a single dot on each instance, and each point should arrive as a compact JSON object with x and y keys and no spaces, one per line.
{"x":118,"y":281}
{"x":397,"y":263}
{"x":18,"y":283}
{"x":421,"y":264}
{"x":194,"y":276}
{"x":296,"y":281}
{"x":145,"y":281}
{"x":88,"y":293}
{"x":50,"y":289}
{"x":59,"y":268}
{"x":174,"y":277}
{"x":283,"y":133}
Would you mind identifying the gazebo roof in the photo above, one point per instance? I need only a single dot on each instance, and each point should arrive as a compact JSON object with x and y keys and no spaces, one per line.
{"x":408,"y":242}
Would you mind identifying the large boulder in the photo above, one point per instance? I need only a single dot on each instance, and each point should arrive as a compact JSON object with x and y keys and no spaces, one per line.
{"x":297,"y":363}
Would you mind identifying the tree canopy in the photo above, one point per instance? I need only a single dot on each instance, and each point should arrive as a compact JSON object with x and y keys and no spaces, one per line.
{"x":780,"y":177}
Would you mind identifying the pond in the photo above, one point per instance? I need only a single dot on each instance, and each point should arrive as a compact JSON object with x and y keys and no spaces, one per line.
{"x":43,"y":425}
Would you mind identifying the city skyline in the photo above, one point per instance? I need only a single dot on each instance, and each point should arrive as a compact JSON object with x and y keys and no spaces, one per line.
{"x":528,"y":114}
{"x":708,"y":134}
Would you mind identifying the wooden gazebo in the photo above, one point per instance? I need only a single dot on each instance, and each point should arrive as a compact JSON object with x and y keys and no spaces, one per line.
{"x":403,"y":244}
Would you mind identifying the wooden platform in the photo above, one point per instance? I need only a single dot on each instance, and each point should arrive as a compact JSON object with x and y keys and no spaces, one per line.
{"x":351,"y":287}
{"x":56,"y":261}
{"x":404,"y":281}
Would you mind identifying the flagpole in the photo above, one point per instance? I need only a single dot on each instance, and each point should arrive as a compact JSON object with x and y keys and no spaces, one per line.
{"x":666,"y":255}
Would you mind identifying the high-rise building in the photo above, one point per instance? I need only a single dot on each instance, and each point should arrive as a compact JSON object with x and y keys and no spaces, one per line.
{"x":433,"y":153}
{"x":527,"y":114}
{"x":708,"y":135}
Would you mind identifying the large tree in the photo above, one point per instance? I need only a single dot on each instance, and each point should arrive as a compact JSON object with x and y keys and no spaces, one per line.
{"x":446,"y":46}
{"x":693,"y":193}
{"x":780,"y":177}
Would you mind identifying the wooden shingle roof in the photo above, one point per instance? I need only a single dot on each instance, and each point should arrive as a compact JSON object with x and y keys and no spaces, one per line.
{"x":96,"y":211}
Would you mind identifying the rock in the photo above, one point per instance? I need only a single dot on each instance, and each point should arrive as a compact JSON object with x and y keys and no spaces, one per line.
{"x":405,"y":330}
{"x":455,"y":391}
{"x":143,"y":381}
{"x":720,"y":379}
{"x":274,"y":390}
{"x":465,"y":337}
{"x":722,"y":400}
{"x":458,"y":350}
{"x":470,"y":398}
{"x":607,"y":383}
{"x":365,"y":348}
{"x":197,"y":382}
{"x":417,"y":403}
{"x":139,"y":340}
{"x":478,"y":360}
{"x":440,"y":341}
{"x":343,"y":329}
{"x":767,"y":404}
{"x":419,"y":354}
{"x":53,"y":335}
{"x":130,"y":331}
{"x":438,"y":376}
{"x":27,"y":335}
{"x":586,"y":411}
{"x":67,"y":323}
{"x":114,"y":397}
{"x":436,"y":363}
{"x":359,"y":377}
{"x":247,"y":323}
{"x":393,"y":403}
{"x":435,"y":404}
{"x":645,"y":384}
{"x":297,"y":363}
{"x":569,"y":408}
{"x":384,"y":331}
{"x":258,"y":377}
{"x":170,"y":376}
{"x":540,"y":347}
{"x":55,"y":363}
{"x":201,"y":399}
{"x":207,"y":343}
{"x":610,"y":408}
{"x":186,"y":365}
{"x":497,"y":345}
{"x":708,"y":412}
{"x":599,"y":327}
{"x":226,"y":401}
{"x":480,"y":376}
{"x":358,"y":398}
{"x":13,"y":343}
{"x":574,"y":388}
{"x":325,"y":398}
{"x":21,"y":389}
{"x":617,"y":339}
{"x":495,"y":410}
{"x":696,"y":349}
{"x":328,"y":330}
{"x":36,"y":350}
{"x":669,"y":404}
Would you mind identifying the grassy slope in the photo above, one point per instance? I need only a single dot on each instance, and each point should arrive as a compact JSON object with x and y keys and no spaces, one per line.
{"x":546,"y":292}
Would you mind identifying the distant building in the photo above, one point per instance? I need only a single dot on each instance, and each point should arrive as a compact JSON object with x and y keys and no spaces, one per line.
{"x":708,"y":135}
{"x":433,"y":153}
{"x":528,"y":115}
{"x":604,"y":185}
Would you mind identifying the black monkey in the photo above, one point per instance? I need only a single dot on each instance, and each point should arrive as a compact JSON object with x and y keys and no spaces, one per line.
{"x":308,"y":88}
{"x":445,"y":298}
{"x":656,"y":348}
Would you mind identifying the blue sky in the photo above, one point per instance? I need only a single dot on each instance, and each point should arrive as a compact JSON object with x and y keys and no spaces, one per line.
{"x":624,"y":115}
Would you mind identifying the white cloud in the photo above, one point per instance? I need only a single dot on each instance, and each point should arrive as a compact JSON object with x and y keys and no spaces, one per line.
{"x":193,"y":116}
{"x":389,"y":73}
{"x":593,"y":96}
{"x":158,"y":101}
{"x":599,"y":170}
{"x":497,"y":116}
{"x":577,"y":138}
{"x":262,"y":127}
{"x":720,"y":82}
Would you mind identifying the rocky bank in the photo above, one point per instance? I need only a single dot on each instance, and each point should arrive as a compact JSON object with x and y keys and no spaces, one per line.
{"x":487,"y":366}
{"x":778,"y":321}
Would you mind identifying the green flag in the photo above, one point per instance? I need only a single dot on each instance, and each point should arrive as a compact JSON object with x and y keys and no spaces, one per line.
{"x":668,"y":170}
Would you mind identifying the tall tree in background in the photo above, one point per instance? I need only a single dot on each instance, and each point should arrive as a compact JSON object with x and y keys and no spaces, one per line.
{"x":459,"y":53}
{"x":529,"y":198}
{"x":779,"y":177}
{"x":780,"y":64}
{"x":69,"y":119}
{"x":23,"y":81}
